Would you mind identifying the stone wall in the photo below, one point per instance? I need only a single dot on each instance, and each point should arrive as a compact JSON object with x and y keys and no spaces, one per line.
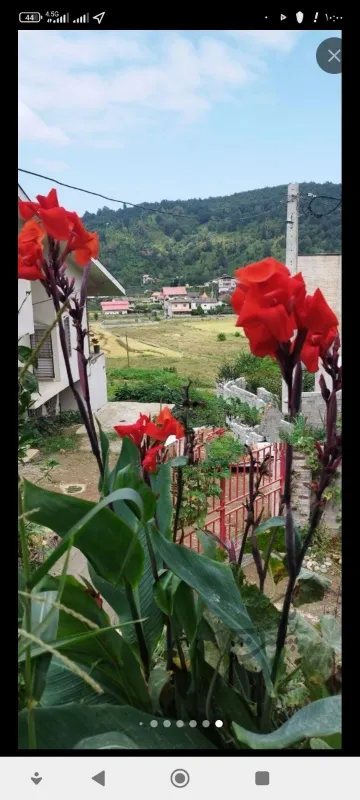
{"x":301,"y":490}
{"x":313,"y":408}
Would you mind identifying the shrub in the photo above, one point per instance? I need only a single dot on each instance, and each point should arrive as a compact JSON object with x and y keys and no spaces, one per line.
{"x":303,"y":438}
{"x":249,"y":415}
{"x":221,"y":337}
{"x":96,"y":315}
{"x":223,"y":451}
{"x":260,"y":372}
{"x":51,"y":426}
{"x":237,"y":334}
{"x":197,"y":312}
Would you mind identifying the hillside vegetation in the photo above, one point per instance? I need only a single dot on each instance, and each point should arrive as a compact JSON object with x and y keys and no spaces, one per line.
{"x":208,"y":237}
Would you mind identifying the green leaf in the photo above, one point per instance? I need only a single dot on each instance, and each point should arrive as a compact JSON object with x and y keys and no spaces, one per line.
{"x":215,"y":584}
{"x":331,"y":632}
{"x":24,"y":353}
{"x":108,"y":741}
{"x":128,"y":477}
{"x":317,"y":659}
{"x":108,"y":654}
{"x":164,"y":591}
{"x":129,"y":454}
{"x":109,"y":543}
{"x":277,"y":568}
{"x":269,"y":524}
{"x":185,"y":611}
{"x":319,"y":744}
{"x":179,"y":461}
{"x":48,"y":618}
{"x":148,"y":609}
{"x":322,"y":718}
{"x":63,"y":687}
{"x":63,"y":727}
{"x":310,"y":587}
{"x":208,"y":544}
{"x":159,"y":677}
{"x":104,"y":480}
{"x":161,"y":486}
{"x":29,"y":381}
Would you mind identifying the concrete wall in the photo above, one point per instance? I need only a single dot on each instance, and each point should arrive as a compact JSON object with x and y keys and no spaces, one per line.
{"x":97,"y":381}
{"x":323,"y":272}
{"x":26,"y":317}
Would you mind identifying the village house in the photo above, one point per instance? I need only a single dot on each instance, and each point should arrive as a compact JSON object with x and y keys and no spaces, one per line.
{"x":225,"y":284}
{"x":109,"y":307}
{"x":36,"y":313}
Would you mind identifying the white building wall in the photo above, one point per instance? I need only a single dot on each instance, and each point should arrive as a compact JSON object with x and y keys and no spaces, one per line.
{"x":25,"y":317}
{"x":97,"y":381}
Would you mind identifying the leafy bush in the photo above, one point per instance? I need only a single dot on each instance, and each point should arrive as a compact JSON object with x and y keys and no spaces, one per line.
{"x":237,"y":334}
{"x":223,"y":451}
{"x":197,"y":312}
{"x":303,"y":438}
{"x":260,"y":372}
{"x":249,"y":415}
{"x":221,"y":337}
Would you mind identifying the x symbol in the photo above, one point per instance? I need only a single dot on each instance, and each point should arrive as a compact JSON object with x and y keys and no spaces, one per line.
{"x":334,"y":55}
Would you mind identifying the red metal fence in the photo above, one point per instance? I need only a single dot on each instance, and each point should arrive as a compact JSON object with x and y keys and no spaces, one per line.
{"x":226,"y":514}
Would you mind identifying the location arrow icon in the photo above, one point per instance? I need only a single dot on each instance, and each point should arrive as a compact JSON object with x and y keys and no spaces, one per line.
{"x":100,"y":17}
{"x":99,"y":778}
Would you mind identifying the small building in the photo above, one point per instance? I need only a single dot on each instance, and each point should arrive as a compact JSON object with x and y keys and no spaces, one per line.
{"x":109,"y":307}
{"x":206,"y":304}
{"x":157,"y":297}
{"x":181,"y":306}
{"x":174,"y":291}
{"x":225,"y":284}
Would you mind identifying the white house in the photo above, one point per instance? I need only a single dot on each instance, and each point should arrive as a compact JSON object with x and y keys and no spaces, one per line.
{"x":37,"y":313}
{"x":226,"y":284}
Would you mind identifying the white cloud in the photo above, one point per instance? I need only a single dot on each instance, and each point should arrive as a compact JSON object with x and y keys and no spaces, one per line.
{"x":283,"y":41}
{"x":99,"y":87}
{"x":32,"y":127}
{"x":54,"y":166}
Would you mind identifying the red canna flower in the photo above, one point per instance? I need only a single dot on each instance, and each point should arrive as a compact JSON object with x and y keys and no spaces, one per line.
{"x":136,"y":431}
{"x":272,"y":304}
{"x":316,"y":345}
{"x":164,"y":426}
{"x":30,"y":251}
{"x":150,"y":461}
{"x":62,"y":225}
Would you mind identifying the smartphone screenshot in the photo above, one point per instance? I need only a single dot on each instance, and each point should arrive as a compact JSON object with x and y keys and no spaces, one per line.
{"x":179,"y":407}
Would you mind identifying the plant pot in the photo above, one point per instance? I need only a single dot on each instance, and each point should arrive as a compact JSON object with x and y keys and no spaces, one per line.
{"x":96,"y":348}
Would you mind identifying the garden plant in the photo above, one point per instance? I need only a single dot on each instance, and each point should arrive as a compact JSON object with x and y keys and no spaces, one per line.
{"x":188,"y":637}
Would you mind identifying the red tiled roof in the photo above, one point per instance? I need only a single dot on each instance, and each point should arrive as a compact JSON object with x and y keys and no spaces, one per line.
{"x":115,"y":305}
{"x":173,"y":290}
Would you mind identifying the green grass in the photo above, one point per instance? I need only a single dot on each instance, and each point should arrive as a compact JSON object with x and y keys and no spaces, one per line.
{"x":53,"y":444}
{"x":191,"y":345}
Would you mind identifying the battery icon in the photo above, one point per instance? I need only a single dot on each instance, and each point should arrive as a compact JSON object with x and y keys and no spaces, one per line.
{"x":30,"y":17}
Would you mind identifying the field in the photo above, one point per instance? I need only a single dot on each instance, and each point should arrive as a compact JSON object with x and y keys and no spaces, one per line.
{"x":190,"y":345}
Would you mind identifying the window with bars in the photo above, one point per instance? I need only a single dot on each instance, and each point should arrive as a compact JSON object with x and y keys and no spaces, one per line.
{"x":67,"y":334}
{"x":45,"y":360}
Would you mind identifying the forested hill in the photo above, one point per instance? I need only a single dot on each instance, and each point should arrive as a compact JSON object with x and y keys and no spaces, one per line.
{"x":202,"y":239}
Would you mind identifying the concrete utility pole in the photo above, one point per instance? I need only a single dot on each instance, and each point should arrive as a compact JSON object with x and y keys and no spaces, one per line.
{"x":292,"y":246}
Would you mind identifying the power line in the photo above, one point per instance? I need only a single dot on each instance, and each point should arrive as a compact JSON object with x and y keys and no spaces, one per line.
{"x":136,"y":205}
{"x":338,"y":201}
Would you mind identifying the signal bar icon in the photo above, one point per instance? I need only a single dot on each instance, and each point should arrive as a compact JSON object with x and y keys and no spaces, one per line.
{"x":83,"y":19}
{"x":64,"y":19}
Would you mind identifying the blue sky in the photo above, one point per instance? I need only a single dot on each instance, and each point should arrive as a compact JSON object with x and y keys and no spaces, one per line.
{"x":148,"y":115}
